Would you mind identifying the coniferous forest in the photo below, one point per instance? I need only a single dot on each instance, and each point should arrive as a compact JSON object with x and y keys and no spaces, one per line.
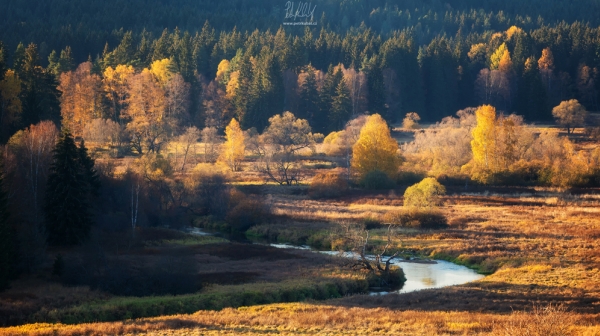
{"x":191,"y":157}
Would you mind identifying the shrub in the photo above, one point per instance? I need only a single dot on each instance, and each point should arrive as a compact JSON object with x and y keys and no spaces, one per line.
{"x":327,"y":185}
{"x":425,"y":194}
{"x":393,"y":279}
{"x":411,"y":121}
{"x":417,"y":218}
{"x":246,"y":213}
{"x":409,"y":177}
{"x":376,"y":180}
{"x":372,"y":223}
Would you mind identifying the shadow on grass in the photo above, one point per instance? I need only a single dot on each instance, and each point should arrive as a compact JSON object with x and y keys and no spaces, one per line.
{"x":485,"y":297}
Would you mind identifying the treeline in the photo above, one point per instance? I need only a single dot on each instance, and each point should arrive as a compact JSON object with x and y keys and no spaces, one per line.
{"x":255,"y":75}
{"x":55,"y":24}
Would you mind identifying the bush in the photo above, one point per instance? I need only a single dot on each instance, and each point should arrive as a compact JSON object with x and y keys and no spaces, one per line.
{"x":372,"y":223}
{"x":417,"y":218}
{"x":327,"y":185}
{"x":409,"y":177}
{"x":393,"y":279}
{"x":246,"y":213}
{"x":425,"y":194}
{"x":376,"y":180}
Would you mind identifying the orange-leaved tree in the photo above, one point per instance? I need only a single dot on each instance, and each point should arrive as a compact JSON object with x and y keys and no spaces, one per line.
{"x":375,"y":149}
{"x":234,"y":148}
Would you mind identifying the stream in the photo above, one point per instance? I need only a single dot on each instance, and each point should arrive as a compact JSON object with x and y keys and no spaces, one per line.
{"x":420,"y":274}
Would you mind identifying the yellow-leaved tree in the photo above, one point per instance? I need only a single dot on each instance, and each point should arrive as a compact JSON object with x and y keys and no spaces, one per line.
{"x":375,"y":149}
{"x":484,"y":138}
{"x":223,"y":71}
{"x":115,"y":83}
{"x":505,"y":65}
{"x":163,"y":70}
{"x":234,"y":147}
{"x":497,"y":57}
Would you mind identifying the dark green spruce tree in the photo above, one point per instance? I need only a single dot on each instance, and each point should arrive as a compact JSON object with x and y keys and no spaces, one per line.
{"x":90,"y":173}
{"x":341,"y":106}
{"x":70,"y":185}
{"x":328,"y":92}
{"x":39,"y":95}
{"x":309,"y":97}
{"x":7,"y":237}
{"x":376,"y":91}
{"x":532,"y":100}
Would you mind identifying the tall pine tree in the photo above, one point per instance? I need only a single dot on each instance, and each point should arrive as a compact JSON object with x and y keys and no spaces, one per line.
{"x":341,"y":106}
{"x":309,"y":97}
{"x":332,"y":81}
{"x":67,"y":208}
{"x":532,"y":100}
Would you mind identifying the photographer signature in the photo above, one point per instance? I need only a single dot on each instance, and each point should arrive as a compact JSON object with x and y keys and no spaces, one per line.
{"x":304,"y":10}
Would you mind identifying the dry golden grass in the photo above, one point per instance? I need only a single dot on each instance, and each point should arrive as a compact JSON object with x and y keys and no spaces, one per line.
{"x":546,"y":254}
{"x":313,"y":319}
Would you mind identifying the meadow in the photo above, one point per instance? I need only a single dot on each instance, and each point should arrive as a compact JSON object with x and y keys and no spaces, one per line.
{"x":536,"y":245}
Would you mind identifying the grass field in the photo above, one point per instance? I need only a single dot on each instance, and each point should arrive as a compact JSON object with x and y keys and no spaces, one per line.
{"x":539,"y":246}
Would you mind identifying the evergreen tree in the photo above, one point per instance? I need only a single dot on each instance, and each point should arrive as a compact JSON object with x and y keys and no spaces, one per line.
{"x":3,"y":60}
{"x":309,"y":97}
{"x":332,"y":81}
{"x":87,"y":164}
{"x":67,"y":208}
{"x":244,"y":96}
{"x":124,"y":53}
{"x":65,"y":61}
{"x":19,"y":58}
{"x":39,"y":95}
{"x":376,"y":92}
{"x":53,"y":63}
{"x":532,"y":101}
{"x":341,"y":106}
{"x":7,"y":238}
{"x":185,"y":63}
{"x":161,"y":46}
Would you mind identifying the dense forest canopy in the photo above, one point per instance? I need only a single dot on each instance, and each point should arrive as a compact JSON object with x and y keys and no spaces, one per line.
{"x":55,"y":24}
{"x":239,"y":59}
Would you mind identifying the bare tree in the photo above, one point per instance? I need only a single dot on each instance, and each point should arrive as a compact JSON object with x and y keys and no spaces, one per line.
{"x":494,"y":87}
{"x":446,"y":146}
{"x":189,"y":139}
{"x":217,"y":107}
{"x":283,"y":139}
{"x":33,"y":150}
{"x":378,"y":263}
{"x":210,"y":139}
{"x":357,"y":84}
{"x":177,"y":98}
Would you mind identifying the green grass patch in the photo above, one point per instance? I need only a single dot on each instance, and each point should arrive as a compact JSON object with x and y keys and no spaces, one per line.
{"x":213,"y":298}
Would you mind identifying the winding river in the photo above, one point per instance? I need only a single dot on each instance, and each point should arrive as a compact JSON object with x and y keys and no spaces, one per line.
{"x":419,"y":274}
{"x":424,"y":274}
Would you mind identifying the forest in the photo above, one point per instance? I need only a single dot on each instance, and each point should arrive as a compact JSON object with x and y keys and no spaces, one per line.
{"x":153,"y":152}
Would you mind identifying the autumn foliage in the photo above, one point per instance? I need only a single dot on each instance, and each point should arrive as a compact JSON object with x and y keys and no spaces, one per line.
{"x":234,"y":148}
{"x":375,"y":149}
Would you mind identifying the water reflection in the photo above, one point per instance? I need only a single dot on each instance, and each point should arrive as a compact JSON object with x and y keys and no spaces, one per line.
{"x":440,"y":274}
